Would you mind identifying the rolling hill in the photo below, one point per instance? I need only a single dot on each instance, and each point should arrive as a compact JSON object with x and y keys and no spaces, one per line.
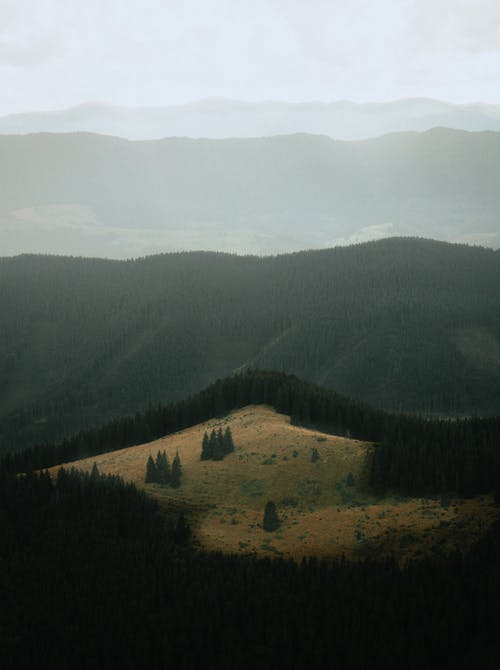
{"x":326,"y":507}
{"x":92,"y":195}
{"x":406,"y":325}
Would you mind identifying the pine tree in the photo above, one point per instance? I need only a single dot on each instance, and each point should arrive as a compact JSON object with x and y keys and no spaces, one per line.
{"x":219,"y":446}
{"x":163,"y":468}
{"x":182,"y":530}
{"x":228,"y":441}
{"x":175,"y":478}
{"x":205,"y":448}
{"x":314,"y":455}
{"x":95,"y":474}
{"x":151,"y":472}
{"x":211,"y":444}
{"x":271,"y":520}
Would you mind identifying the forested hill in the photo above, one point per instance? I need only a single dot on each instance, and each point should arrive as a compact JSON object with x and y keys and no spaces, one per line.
{"x":403,"y":324}
{"x":96,"y":195}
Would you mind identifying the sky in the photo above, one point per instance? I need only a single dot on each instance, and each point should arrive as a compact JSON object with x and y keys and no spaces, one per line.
{"x":59,"y":53}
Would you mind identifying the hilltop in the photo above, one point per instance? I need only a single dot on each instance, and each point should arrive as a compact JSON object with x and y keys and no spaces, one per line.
{"x":327,"y":507}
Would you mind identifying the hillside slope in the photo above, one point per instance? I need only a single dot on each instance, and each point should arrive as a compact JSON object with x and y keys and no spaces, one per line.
{"x":408,"y":325}
{"x":326,"y":507}
{"x":104,"y":196}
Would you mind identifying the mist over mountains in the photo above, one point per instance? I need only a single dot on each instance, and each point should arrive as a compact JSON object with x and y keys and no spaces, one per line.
{"x":223,"y":118}
{"x":93,"y":195}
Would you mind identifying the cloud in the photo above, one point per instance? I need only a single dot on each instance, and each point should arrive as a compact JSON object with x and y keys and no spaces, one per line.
{"x":146,"y":52}
{"x":28,"y":55}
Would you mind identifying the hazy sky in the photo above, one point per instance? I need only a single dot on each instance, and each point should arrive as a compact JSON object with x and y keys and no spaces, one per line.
{"x":57,"y":53}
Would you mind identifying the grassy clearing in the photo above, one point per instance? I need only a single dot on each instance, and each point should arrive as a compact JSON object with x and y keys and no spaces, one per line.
{"x":325,"y":507}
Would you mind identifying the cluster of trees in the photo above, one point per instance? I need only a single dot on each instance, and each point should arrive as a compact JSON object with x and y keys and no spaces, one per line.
{"x":159,"y":471}
{"x":218,"y":445}
{"x":413,"y":455}
{"x":93,"y":577}
{"x":103,"y":339}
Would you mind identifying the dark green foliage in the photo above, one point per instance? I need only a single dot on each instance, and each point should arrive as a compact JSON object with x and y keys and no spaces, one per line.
{"x":350,"y":479}
{"x":219,"y":444}
{"x":163,"y":468}
{"x":175,"y":478}
{"x":158,"y":471}
{"x":228,"y":441}
{"x":182,"y":530}
{"x":151,"y":472}
{"x":412,"y":325}
{"x":212,"y":442}
{"x":92,"y":578}
{"x":94,"y":475}
{"x":314,"y":455}
{"x":206,"y":451}
{"x":271,"y":520}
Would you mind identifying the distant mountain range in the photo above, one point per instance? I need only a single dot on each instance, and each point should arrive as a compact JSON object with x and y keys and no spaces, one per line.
{"x":221,"y":118}
{"x":93,"y":195}
{"x":404,"y":324}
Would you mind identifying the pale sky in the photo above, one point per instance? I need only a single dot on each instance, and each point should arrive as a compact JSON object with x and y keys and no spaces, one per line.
{"x":59,"y":53}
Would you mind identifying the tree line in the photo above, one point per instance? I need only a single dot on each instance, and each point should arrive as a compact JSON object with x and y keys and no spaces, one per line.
{"x":413,"y":455}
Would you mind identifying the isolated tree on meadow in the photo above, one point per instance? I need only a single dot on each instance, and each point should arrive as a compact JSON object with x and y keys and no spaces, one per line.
{"x":271,"y":520}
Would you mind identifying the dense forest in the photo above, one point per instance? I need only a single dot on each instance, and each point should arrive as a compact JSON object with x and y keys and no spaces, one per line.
{"x":412,"y":455}
{"x":407,"y":325}
{"x":92,"y":577}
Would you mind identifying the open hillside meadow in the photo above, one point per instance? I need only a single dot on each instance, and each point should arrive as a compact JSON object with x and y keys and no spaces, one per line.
{"x":325,"y":506}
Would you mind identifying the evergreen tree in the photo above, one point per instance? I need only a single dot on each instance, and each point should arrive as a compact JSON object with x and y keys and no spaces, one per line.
{"x":151,"y":472}
{"x":95,"y":474}
{"x":205,"y":448}
{"x":271,"y":521}
{"x":211,"y":444}
{"x":228,"y":441}
{"x":314,"y":455}
{"x":163,"y":468}
{"x":182,"y":530}
{"x":219,"y":446}
{"x":175,"y":479}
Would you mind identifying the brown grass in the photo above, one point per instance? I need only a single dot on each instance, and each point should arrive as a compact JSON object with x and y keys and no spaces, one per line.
{"x":321,"y":513}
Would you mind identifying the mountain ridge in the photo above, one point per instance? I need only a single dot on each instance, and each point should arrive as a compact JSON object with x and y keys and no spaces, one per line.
{"x":344,"y":119}
{"x":93,"y":195}
{"x":85,"y":340}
